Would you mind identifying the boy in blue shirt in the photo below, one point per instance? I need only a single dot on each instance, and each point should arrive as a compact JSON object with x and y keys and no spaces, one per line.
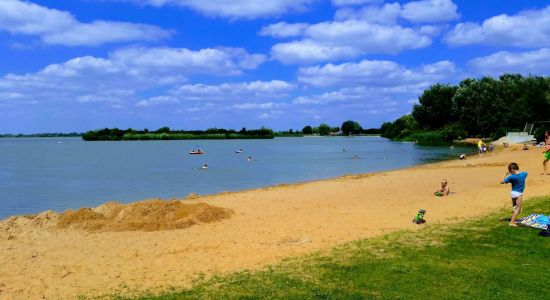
{"x":517,"y":180}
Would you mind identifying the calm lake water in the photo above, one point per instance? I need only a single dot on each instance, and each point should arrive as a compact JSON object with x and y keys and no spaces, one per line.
{"x":37,"y":174}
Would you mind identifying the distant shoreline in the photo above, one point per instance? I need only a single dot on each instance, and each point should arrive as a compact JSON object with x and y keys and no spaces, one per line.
{"x":45,"y":135}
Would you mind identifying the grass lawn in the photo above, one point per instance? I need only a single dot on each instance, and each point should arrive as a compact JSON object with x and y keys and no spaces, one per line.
{"x":476,"y":259}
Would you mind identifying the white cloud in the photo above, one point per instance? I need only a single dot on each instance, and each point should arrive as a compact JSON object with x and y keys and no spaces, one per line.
{"x":359,"y":101}
{"x":306,"y":51}
{"x":376,"y":86}
{"x":257,"y":106}
{"x":377,"y":73}
{"x":341,"y":40}
{"x":386,"y":14}
{"x":235,"y":9}
{"x":284,"y":29}
{"x":527,"y":29}
{"x":227,"y":93}
{"x":425,"y":11}
{"x":122,"y":75}
{"x":531,"y":62}
{"x":377,"y":89}
{"x":430,"y":11}
{"x":61,"y":28}
{"x":220,"y":61}
{"x":354,"y":2}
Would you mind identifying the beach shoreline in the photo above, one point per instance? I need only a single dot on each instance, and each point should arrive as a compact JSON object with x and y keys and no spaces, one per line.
{"x":267,"y":224}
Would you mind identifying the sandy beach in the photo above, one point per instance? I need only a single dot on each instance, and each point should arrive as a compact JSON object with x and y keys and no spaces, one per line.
{"x":53,"y":256}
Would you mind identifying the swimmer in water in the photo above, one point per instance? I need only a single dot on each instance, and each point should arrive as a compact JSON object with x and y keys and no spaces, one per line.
{"x":204,"y":167}
{"x":249,"y":158}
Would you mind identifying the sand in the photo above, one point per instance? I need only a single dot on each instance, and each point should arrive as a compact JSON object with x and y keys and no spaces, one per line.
{"x":93,"y":252}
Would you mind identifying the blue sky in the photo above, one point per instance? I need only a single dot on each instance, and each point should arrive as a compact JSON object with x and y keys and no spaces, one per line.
{"x":194,"y":64}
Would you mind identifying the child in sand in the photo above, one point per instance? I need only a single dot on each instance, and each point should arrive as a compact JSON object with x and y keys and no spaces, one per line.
{"x":444,"y":190}
{"x":517,"y":180}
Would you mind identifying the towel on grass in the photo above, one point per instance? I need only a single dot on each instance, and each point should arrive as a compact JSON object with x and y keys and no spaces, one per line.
{"x":535,"y":221}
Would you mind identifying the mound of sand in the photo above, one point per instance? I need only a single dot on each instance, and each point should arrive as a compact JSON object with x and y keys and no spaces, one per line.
{"x":149,"y":215}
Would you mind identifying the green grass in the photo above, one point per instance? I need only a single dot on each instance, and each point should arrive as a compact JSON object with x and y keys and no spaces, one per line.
{"x":476,"y":259}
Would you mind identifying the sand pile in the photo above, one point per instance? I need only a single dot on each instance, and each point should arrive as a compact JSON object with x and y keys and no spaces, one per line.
{"x":150,"y":215}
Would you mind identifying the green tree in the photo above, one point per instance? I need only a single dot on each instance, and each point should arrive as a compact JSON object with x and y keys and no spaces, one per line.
{"x":163,"y":130}
{"x":351,"y":127}
{"x":434,"y":109}
{"x":324,"y":129}
{"x":307,"y":130}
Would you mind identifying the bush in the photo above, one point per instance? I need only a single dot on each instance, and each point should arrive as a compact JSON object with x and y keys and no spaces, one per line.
{"x":453,"y":132}
{"x":426,"y":137}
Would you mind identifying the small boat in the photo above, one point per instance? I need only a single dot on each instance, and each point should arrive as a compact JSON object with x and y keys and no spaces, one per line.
{"x":199,"y":151}
{"x":239,"y":151}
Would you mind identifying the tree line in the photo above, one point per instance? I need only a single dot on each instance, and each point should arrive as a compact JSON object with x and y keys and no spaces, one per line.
{"x":347,"y":128}
{"x":165,"y":133}
{"x":485,"y":108}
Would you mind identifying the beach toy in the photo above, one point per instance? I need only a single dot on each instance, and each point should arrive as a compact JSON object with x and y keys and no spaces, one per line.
{"x":419,"y":218}
{"x":438,"y":194}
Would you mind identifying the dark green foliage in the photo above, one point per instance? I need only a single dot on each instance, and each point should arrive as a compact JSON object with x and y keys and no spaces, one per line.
{"x":351,"y":127}
{"x":289,"y":133}
{"x":165,"y":133}
{"x":307,"y":130}
{"x":399,"y":129}
{"x":371,"y":131}
{"x":435,"y":107}
{"x":324,"y":129}
{"x":485,"y":107}
{"x":477,"y":259}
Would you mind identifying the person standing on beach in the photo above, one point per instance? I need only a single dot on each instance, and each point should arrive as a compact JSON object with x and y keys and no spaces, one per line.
{"x":546,"y":152}
{"x":480,"y":148}
{"x":517,"y":180}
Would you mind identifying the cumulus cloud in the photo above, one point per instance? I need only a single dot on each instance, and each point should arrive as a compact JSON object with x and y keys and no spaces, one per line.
{"x":386,"y":14}
{"x":425,"y":11}
{"x":526,"y":29}
{"x":61,"y":28}
{"x":343,"y":40}
{"x":354,"y":2}
{"x":225,"y":92}
{"x":430,"y":11}
{"x":235,"y":9}
{"x":284,"y":29}
{"x":123,"y":74}
{"x":370,"y":86}
{"x":375,"y":73}
{"x":356,"y":31}
{"x":530,"y":62}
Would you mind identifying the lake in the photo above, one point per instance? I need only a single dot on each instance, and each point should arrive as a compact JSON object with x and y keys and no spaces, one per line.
{"x":38,"y":174}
